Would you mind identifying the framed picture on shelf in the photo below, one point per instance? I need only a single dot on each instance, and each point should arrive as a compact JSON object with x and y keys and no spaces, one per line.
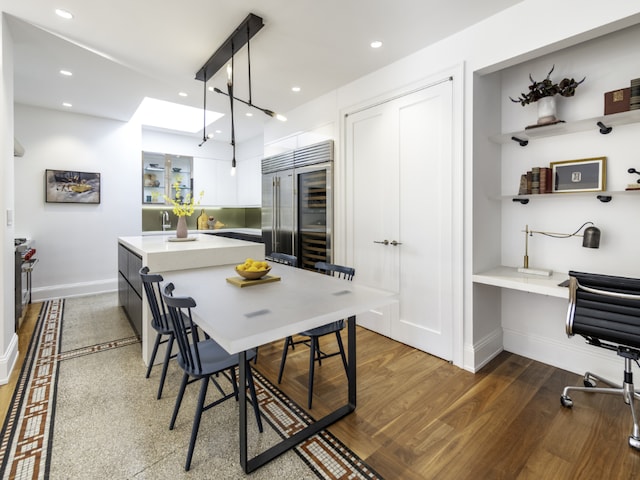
{"x":585,"y":175}
{"x":65,"y":186}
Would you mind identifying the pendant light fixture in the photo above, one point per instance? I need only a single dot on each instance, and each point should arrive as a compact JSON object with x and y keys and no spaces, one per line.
{"x":225,"y":53}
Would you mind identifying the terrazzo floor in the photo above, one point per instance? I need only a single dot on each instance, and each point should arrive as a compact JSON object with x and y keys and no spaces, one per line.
{"x":108,"y":423}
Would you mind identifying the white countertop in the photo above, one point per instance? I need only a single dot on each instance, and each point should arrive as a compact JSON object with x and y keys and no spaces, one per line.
{"x":509,"y":277}
{"x":158,"y":253}
{"x":247,"y":231}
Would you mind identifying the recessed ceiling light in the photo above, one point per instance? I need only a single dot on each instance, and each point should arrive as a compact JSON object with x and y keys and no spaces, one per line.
{"x":249,"y":114}
{"x":64,"y":14}
{"x":67,"y":104}
{"x":66,"y":73}
{"x":218,"y":131}
{"x":295,"y":89}
{"x":376,"y":44}
{"x":182,"y":94}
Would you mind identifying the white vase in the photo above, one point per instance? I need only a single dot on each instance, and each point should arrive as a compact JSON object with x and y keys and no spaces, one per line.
{"x":181,"y":228}
{"x":547,"y":110}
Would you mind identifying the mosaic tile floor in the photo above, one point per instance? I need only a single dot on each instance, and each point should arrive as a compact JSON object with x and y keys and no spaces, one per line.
{"x":83,"y":409}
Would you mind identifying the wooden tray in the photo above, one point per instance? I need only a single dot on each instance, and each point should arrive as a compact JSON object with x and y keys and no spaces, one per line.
{"x":243,"y":282}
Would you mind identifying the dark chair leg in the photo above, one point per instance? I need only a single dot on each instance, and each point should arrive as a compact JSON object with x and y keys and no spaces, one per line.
{"x":341,"y":348}
{"x":312,"y":357}
{"x":153,"y":354}
{"x":254,"y":397}
{"x":165,"y":365}
{"x":204,"y":384}
{"x":234,"y":382}
{"x":287,"y":342}
{"x":183,"y":386}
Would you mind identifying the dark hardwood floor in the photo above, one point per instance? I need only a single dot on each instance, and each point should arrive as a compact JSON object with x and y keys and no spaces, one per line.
{"x":419,"y":417}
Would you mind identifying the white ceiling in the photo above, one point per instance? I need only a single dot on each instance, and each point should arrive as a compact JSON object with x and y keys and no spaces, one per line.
{"x":123,"y":50}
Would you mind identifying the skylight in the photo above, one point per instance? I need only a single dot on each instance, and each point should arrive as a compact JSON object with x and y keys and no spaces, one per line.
{"x":172,"y":116}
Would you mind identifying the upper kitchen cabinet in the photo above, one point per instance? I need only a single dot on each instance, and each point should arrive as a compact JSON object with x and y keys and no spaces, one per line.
{"x":221,"y":189}
{"x":164,"y":174}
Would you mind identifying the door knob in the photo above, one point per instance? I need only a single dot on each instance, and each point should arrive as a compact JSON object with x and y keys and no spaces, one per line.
{"x":394,"y":243}
{"x":383,"y":242}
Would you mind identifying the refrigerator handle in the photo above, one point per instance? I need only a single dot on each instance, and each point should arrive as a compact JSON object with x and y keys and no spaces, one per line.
{"x":274,"y":203}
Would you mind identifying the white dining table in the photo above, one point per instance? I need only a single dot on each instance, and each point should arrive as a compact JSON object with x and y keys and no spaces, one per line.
{"x":242,"y":318}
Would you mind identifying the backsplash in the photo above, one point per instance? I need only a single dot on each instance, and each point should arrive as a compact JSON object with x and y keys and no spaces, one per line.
{"x":230,"y":217}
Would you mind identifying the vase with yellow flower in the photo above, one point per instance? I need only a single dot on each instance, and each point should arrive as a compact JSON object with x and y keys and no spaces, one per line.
{"x":183,"y":206}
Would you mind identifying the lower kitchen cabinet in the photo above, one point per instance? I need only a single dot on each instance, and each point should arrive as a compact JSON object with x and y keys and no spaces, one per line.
{"x":130,"y":286}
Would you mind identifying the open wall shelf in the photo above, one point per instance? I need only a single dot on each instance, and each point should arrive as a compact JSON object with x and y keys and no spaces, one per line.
{"x":623,"y":118}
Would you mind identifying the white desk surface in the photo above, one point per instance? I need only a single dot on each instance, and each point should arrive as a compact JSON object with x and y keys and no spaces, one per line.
{"x":243,"y":318}
{"x":509,"y":277}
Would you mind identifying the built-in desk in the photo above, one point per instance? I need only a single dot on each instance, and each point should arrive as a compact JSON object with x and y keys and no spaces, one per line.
{"x":509,"y":277}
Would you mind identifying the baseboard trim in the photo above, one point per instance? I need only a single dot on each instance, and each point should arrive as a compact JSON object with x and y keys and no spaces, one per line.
{"x":51,"y":292}
{"x":571,"y":354}
{"x":483,"y":351}
{"x":8,"y":360}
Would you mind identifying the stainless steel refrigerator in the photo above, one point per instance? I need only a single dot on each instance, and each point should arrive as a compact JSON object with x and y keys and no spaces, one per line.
{"x":297,"y":206}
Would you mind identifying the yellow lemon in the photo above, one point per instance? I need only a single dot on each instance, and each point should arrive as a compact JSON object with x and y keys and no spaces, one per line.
{"x":252,"y":268}
{"x":241,"y":267}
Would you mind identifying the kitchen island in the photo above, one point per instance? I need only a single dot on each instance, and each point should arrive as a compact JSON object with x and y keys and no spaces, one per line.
{"x":162,"y":255}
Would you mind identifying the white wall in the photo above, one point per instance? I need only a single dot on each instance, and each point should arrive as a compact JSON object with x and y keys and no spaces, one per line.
{"x":8,"y":339}
{"x":505,"y":39}
{"x":533,"y":325}
{"x":76,"y":243}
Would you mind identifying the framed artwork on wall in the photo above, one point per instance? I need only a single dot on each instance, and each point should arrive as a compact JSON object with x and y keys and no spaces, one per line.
{"x":585,"y":175}
{"x":66,"y":186}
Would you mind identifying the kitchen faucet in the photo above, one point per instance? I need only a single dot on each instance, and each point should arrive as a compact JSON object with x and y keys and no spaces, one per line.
{"x":166,"y":224}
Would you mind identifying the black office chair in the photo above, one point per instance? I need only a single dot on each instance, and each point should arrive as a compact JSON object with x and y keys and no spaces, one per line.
{"x":202,"y":360}
{"x":160,"y":322}
{"x":283,"y":258}
{"x":312,"y":337}
{"x":605,"y":310}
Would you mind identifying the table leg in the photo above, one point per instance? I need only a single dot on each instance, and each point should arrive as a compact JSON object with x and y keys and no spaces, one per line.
{"x":242,"y":398}
{"x":249,"y":465}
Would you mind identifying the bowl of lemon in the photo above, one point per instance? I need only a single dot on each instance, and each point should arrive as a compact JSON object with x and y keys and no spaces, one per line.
{"x":253,"y":269}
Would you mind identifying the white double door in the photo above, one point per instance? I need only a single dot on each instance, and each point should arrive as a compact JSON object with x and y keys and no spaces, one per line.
{"x":399,"y":191}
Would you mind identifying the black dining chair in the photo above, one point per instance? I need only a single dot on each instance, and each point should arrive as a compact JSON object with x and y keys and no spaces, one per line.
{"x":202,"y":360}
{"x":284,"y":258}
{"x":605,"y":311}
{"x":160,"y":322}
{"x":311,"y":338}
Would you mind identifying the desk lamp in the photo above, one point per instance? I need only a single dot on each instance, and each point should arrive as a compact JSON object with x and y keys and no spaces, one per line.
{"x":590,"y":239}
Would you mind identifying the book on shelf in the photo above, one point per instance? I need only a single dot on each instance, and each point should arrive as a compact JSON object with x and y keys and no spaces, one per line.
{"x":536,"y":181}
{"x":617,"y":101}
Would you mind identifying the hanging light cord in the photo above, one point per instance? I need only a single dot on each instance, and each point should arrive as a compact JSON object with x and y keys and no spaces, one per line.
{"x":204,"y":112}
{"x":230,"y":89}
{"x":249,"y":60}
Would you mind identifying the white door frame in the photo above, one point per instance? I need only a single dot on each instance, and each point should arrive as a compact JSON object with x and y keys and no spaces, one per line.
{"x":344,"y":218}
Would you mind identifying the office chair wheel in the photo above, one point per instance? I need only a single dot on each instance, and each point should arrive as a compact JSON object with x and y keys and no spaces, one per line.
{"x":589,"y":383}
{"x":634,"y":442}
{"x":566,"y":401}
